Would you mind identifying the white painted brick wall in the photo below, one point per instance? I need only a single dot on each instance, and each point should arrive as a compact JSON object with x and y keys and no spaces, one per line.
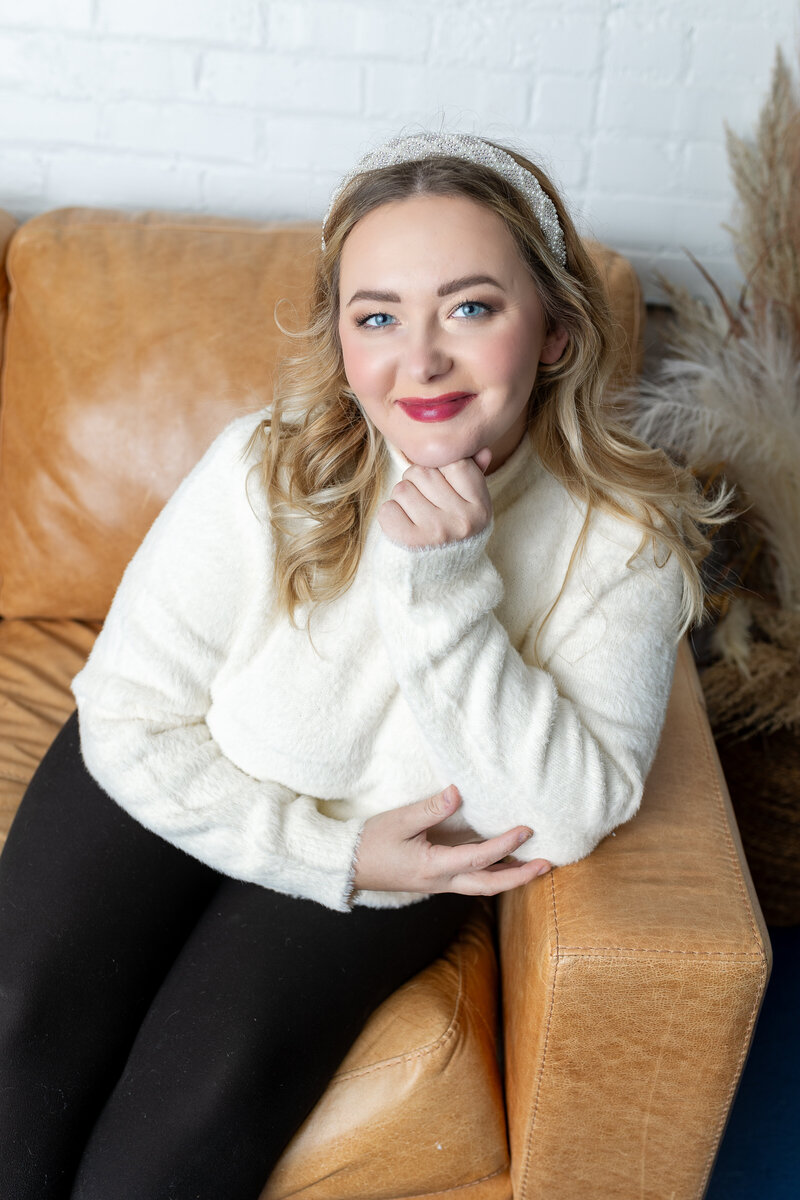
{"x":256,"y":107}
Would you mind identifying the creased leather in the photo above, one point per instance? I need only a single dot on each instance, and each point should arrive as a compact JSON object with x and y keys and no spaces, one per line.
{"x":132,"y":341}
{"x":416,"y":1106}
{"x":37,"y":661}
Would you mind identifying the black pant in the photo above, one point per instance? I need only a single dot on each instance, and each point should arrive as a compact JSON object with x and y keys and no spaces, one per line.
{"x":165,"y":1029}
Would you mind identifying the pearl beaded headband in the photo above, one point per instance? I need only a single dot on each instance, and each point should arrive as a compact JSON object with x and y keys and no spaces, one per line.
{"x":473,"y":149}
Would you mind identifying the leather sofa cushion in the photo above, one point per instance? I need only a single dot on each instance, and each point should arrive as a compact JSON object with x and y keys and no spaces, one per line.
{"x":37,"y":661}
{"x":416,"y":1108}
{"x":131,"y":342}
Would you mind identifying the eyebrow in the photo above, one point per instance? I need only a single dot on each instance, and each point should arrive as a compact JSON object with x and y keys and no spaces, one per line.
{"x":446,"y":289}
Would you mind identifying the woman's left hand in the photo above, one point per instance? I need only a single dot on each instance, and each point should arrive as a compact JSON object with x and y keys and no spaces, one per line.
{"x":431,"y":506}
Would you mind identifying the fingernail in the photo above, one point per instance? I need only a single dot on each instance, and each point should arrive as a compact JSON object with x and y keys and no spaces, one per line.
{"x":542,"y":871}
{"x":523,"y":837}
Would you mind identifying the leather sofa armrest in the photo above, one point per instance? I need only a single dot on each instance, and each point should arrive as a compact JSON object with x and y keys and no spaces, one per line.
{"x":631,"y":984}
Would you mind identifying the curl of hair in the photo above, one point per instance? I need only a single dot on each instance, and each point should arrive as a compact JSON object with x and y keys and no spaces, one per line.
{"x":322,"y":460}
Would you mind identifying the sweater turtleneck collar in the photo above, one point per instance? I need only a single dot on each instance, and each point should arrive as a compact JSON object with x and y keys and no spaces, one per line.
{"x":504,"y":484}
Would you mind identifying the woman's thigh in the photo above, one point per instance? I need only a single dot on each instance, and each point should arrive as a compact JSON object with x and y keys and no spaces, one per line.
{"x":93,"y":908}
{"x":260,"y":1008}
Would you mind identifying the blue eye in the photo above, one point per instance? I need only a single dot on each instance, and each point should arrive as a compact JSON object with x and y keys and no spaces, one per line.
{"x":475,"y":304}
{"x":366,"y":320}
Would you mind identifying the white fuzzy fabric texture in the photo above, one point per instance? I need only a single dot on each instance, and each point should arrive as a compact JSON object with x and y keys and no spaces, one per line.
{"x":223,"y":730}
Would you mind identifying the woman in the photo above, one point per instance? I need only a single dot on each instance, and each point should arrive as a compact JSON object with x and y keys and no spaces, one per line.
{"x":401,"y":639}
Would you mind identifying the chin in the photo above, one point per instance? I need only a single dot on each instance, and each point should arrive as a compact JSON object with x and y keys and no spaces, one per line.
{"x":441,"y":456}
{"x":435,"y":460}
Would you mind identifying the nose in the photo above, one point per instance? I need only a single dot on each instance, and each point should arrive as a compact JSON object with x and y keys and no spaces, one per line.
{"x":426,"y":355}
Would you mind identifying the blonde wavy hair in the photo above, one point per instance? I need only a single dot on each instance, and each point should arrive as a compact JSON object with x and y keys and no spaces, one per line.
{"x":322,"y":460}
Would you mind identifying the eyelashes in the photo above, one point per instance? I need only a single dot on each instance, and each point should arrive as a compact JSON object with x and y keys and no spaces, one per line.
{"x":362,"y":321}
{"x":488,"y":309}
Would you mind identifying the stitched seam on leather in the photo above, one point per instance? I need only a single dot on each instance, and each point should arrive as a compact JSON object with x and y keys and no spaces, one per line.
{"x":654,"y":959}
{"x":700,"y":716}
{"x":531,"y":1128}
{"x":459,"y":1187}
{"x":725,"y":1108}
{"x":592,"y":951}
{"x":358,"y":1072}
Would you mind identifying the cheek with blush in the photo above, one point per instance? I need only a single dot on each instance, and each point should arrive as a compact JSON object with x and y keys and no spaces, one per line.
{"x":511,"y":358}
{"x":364,"y":369}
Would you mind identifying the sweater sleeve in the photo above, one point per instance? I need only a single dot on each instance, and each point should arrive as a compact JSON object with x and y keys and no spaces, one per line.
{"x":145,"y":691}
{"x":564,"y":750}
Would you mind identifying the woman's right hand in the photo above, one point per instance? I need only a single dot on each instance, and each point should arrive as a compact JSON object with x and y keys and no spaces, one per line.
{"x":394,"y":854}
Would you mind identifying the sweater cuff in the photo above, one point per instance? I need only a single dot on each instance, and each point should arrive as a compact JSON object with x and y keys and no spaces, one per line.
{"x":319,"y":855}
{"x":351,"y":892}
{"x":428,"y":570}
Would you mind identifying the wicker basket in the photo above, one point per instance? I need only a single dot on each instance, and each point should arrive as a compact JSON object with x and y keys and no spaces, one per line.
{"x":763,"y":776}
{"x":755,"y":715}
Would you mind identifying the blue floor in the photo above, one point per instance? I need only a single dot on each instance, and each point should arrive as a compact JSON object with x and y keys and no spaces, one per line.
{"x":759,"y":1158}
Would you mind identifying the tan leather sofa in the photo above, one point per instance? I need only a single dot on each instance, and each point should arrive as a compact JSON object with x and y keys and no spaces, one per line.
{"x":585,"y":1035}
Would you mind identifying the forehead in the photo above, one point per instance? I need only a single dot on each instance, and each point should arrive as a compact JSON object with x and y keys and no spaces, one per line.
{"x":428,"y":231}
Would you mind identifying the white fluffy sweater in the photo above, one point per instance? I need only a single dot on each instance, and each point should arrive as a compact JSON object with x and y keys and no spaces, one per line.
{"x":221,"y":728}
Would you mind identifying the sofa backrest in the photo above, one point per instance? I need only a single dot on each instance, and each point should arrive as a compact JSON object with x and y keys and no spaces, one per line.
{"x":131,"y":340}
{"x":7,"y":227}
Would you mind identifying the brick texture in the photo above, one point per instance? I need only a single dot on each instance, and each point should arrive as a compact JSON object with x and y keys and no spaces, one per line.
{"x":255,"y":107}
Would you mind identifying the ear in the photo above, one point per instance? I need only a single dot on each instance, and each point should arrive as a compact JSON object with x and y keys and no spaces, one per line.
{"x":554,"y":345}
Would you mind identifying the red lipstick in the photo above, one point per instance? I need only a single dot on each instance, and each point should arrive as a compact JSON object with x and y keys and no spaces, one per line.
{"x":438,"y":408}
